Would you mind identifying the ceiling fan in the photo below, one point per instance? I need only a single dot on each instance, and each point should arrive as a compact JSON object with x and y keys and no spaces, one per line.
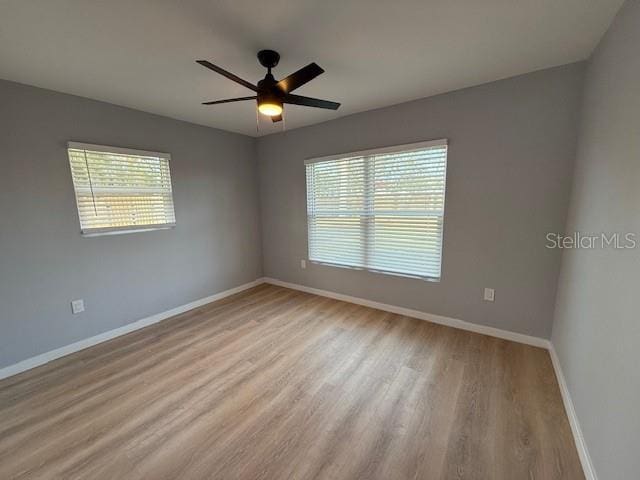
{"x":270,"y":93}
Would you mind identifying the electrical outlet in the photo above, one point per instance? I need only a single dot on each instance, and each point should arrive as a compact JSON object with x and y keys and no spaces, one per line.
{"x":489,"y":294}
{"x":77,"y":306}
{"x":303,"y":264}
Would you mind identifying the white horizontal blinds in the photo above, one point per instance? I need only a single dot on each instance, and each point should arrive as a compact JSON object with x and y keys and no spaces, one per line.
{"x":336,"y":211}
{"x":407,"y":192}
{"x":121,"y":190}
{"x":381,"y":210}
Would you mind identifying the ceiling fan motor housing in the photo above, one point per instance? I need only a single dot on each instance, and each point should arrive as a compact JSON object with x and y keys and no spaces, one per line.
{"x":268,"y":91}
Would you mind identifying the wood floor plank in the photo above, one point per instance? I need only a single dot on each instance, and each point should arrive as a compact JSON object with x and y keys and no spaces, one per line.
{"x":273,"y":383}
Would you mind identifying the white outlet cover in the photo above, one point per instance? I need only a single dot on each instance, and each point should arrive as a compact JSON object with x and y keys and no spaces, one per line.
{"x":77,"y":306}
{"x":489,"y":294}
{"x":303,"y":264}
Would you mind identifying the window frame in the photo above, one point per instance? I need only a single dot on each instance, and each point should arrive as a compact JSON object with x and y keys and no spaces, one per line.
{"x":97,"y":232}
{"x":442,"y":142}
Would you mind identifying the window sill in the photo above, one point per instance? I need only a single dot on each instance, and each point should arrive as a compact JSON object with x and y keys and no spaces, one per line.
{"x":111,"y":231}
{"x":382,"y":272}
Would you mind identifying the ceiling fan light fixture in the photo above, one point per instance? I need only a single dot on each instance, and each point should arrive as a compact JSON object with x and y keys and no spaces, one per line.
{"x":270,"y":108}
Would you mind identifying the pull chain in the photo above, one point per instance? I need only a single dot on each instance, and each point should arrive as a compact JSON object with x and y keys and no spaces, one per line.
{"x":257,"y":122}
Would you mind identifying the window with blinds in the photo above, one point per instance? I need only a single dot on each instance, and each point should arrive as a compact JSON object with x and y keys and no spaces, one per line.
{"x":120,"y":190}
{"x":379,"y":210}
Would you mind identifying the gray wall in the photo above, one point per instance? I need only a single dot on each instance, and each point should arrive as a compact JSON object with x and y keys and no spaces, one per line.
{"x":597,"y":329}
{"x":512,"y":145}
{"x":44,"y":262}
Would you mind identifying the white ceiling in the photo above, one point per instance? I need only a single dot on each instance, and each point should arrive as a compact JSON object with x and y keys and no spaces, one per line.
{"x":141,"y":53}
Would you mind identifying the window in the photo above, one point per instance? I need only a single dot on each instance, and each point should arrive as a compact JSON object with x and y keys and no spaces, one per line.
{"x":120,"y":190}
{"x":379,"y":210}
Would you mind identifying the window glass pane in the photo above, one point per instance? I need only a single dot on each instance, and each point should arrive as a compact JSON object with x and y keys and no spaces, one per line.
{"x":336,"y":211}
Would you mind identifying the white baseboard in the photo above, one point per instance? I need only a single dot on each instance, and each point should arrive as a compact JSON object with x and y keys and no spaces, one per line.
{"x":429,"y":317}
{"x":581,"y":446}
{"x":47,"y":357}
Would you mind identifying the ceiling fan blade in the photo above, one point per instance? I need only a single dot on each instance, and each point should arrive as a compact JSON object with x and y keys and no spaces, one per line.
{"x":299,"y":78}
{"x":229,"y":75}
{"x":276,"y":118}
{"x":310,"y":102}
{"x":229,"y":100}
